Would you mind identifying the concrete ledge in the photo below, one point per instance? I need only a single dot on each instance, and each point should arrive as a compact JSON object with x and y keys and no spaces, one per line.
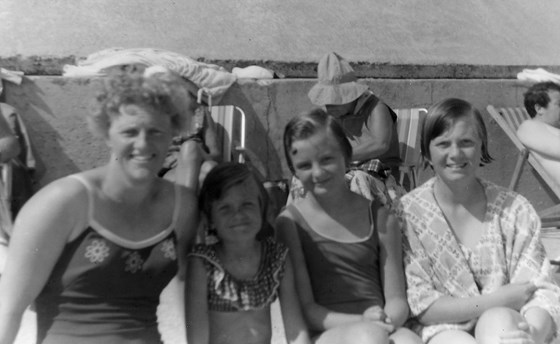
{"x":54,"y":109}
{"x":52,"y":65}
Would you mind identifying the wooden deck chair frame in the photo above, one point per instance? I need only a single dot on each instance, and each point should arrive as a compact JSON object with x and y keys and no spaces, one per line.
{"x":509,"y":120}
{"x":228,"y":116}
{"x":409,"y":127}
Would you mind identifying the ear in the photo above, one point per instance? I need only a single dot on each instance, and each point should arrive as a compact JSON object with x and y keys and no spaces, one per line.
{"x":539,"y":109}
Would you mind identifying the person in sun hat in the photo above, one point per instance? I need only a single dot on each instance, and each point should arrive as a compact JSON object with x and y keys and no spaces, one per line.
{"x":369,"y":124}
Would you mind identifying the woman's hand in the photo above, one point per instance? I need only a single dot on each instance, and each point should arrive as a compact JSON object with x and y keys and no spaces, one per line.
{"x":520,"y":336}
{"x":516,"y":295}
{"x":377,"y":315}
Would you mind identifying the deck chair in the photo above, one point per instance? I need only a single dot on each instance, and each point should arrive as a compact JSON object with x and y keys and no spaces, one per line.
{"x":409,"y":127}
{"x":509,"y":120}
{"x":231,"y":131}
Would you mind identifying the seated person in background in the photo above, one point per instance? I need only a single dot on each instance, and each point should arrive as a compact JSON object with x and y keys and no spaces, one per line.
{"x":541,"y":134}
{"x":369,"y":125}
{"x":9,"y":149}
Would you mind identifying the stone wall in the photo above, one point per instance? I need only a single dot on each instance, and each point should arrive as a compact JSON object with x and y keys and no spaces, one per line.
{"x":54,"y":109}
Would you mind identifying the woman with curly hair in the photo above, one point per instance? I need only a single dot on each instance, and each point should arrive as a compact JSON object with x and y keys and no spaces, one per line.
{"x":95,"y":249}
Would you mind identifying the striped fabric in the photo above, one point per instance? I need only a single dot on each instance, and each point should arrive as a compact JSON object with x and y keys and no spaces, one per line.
{"x":409,"y":126}
{"x":233,"y":130}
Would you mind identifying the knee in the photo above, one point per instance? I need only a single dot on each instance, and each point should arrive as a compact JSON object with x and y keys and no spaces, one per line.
{"x":366,"y":333}
{"x":495,"y":322}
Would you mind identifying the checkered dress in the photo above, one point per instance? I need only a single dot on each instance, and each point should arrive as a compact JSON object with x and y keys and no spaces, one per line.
{"x":228,"y":294}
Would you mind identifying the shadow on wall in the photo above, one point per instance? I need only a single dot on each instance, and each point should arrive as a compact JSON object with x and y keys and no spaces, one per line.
{"x":44,"y":130}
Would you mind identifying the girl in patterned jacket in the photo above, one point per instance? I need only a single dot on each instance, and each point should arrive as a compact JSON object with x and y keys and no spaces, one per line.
{"x":232,"y":282}
{"x":476,"y":269}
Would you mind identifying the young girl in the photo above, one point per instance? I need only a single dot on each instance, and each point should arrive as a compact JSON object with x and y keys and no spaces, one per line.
{"x":346,"y":249}
{"x":232,"y":283}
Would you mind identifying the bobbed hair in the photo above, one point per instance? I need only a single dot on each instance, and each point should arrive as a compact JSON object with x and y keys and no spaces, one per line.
{"x":308,"y":124}
{"x":441,"y":117}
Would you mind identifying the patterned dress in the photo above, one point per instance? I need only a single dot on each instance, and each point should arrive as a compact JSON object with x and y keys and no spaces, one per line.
{"x":509,"y":251}
{"x":229,"y":294}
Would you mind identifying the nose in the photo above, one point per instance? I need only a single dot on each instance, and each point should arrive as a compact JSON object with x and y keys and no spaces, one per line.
{"x":141,"y":140}
{"x":317,"y":172}
{"x":455,"y":151}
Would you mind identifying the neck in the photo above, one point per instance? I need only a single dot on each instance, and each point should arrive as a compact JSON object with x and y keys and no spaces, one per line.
{"x":123,"y":190}
{"x":458,"y":193}
{"x":240,"y":250}
{"x":332,"y":204}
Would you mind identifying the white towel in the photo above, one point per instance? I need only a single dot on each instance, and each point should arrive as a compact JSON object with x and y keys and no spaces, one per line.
{"x":538,"y":75}
{"x":214,"y":78}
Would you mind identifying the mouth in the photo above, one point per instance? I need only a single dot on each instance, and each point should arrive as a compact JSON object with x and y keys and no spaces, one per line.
{"x":143,"y":158}
{"x":458,"y":166}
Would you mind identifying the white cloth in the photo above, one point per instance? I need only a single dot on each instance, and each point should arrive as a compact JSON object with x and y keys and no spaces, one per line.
{"x":538,"y":75}
{"x":10,"y":75}
{"x":215,"y":79}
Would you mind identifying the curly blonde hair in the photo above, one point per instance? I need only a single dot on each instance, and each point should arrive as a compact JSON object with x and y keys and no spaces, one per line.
{"x":163,"y":90}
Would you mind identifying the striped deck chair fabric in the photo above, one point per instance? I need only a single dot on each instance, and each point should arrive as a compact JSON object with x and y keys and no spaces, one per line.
{"x":409,"y":127}
{"x":231,"y":131}
{"x":509,"y":120}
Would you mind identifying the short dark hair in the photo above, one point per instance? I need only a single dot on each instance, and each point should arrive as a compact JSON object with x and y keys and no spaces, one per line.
{"x":226,"y":175}
{"x":442,"y":115}
{"x":309,"y":123}
{"x":538,"y":95}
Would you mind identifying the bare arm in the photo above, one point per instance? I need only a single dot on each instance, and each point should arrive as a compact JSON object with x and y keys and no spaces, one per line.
{"x":317,"y":316}
{"x":450,"y":309}
{"x":376,"y":138}
{"x":541,"y":138}
{"x":392,"y":274}
{"x":40,"y":234}
{"x":294,"y":324}
{"x":196,"y":304}
{"x":9,"y":145}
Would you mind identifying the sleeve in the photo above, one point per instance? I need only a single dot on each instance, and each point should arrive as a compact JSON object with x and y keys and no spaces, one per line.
{"x":529,"y":262}
{"x":421,"y":290}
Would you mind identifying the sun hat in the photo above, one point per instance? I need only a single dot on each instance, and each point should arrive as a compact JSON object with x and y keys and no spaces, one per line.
{"x":337,"y":82}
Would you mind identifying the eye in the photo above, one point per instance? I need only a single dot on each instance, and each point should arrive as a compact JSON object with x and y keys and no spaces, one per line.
{"x":302,"y":166}
{"x":129,"y":132}
{"x":442,"y":144}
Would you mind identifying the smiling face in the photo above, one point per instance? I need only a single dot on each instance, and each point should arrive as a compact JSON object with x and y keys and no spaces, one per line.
{"x":455,"y":154}
{"x":237,"y":214}
{"x":139,"y":139}
{"x":319,"y":163}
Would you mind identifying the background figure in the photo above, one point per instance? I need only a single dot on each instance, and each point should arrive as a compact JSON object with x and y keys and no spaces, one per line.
{"x":96,"y":248}
{"x":369,"y":124}
{"x":9,"y":149}
{"x":346,"y":249}
{"x":541,"y":134}
{"x":475,"y":266}
{"x":232,"y":283}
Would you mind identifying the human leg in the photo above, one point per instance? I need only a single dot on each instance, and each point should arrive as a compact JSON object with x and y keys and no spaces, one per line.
{"x":541,"y":324}
{"x":498,"y":322}
{"x":452,"y":336}
{"x":404,"y":336}
{"x":355,"y":333}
